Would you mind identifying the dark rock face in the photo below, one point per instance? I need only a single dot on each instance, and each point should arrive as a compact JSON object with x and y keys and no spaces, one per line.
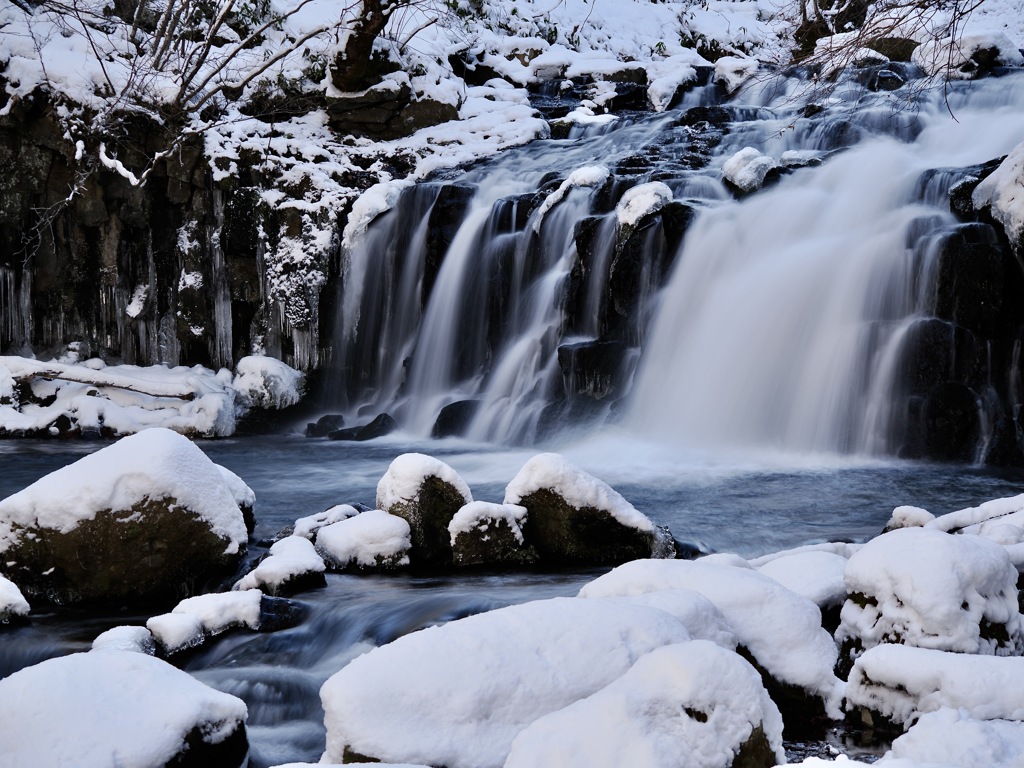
{"x":323,"y":426}
{"x":566,"y":535}
{"x":386,"y":112}
{"x":493,"y":542}
{"x":595,"y":369}
{"x":154,"y":552}
{"x":454,"y":418}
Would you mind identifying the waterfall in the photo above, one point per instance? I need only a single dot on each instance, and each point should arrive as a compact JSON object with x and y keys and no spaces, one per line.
{"x":791,"y":319}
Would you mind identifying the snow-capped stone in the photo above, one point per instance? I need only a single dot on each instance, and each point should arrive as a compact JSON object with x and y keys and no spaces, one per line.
{"x":900,"y":682}
{"x":733,"y":71}
{"x":816,"y":575}
{"x":458,"y":694}
{"x":640,"y":201}
{"x":292,"y":564}
{"x":265,"y":382}
{"x":699,"y":615}
{"x":747,"y":169}
{"x":692,"y":704}
{"x":1000,"y":193}
{"x":483,"y":532}
{"x":176,"y":632}
{"x":576,"y":518}
{"x":929,"y":589}
{"x":427,"y":493}
{"x":966,"y":56}
{"x":221,"y":611}
{"x":952,"y":737}
{"x":13,"y":604}
{"x":125,"y":638}
{"x":909,"y":517}
{"x":780,"y":629}
{"x":370,"y":540}
{"x":131,"y":522}
{"x":107,"y":707}
{"x":588,"y":176}
{"x":244,"y":496}
{"x":307,"y":527}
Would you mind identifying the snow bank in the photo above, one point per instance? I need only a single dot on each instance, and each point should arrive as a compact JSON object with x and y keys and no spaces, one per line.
{"x":153,"y":464}
{"x":406,"y":475}
{"x":106,"y":708}
{"x":291,"y":558}
{"x":264,"y":382}
{"x":372,"y":539}
{"x":12,"y":602}
{"x":578,"y":488}
{"x":458,"y":694}
{"x":641,"y":201}
{"x":899,"y":682}
{"x":929,"y":589}
{"x":1003,"y":191}
{"x":691,"y":704}
{"x":781,"y":629}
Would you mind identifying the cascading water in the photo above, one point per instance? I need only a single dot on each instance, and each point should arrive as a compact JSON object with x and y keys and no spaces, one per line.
{"x":789,"y":314}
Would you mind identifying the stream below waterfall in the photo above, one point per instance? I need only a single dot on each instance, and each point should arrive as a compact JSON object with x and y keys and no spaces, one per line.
{"x":749,"y":400}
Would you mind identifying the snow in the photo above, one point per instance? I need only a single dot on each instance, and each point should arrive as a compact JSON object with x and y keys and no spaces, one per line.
{"x":900,"y":681}
{"x":588,"y":176}
{"x":909,"y":517}
{"x":748,"y":168}
{"x":154,"y":464}
{"x":12,"y":602}
{"x":1003,"y":190}
{"x":307,"y":527}
{"x":406,"y":475}
{"x":952,"y":737}
{"x":480,"y":515}
{"x":264,"y":382}
{"x":931,"y":589}
{"x":367,"y":540}
{"x":579,"y":489}
{"x":734,"y":71}
{"x":217,"y":612}
{"x":125,"y":638}
{"x":781,"y":629}
{"x":290,"y":558}
{"x":244,"y":495}
{"x":953,"y":56}
{"x":691,"y":704}
{"x":458,"y":694}
{"x":699,"y":615}
{"x":641,"y":201}
{"x":108,"y":707}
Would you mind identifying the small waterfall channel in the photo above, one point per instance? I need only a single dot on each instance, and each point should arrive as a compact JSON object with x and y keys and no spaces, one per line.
{"x":614,"y":275}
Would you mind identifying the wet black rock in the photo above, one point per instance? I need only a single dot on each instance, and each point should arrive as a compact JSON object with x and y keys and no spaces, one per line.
{"x":384,"y":424}
{"x":323,"y":426}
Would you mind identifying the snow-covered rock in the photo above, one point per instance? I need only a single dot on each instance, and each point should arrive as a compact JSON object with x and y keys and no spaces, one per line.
{"x":640,"y":201}
{"x":748,"y":169}
{"x":779,"y":628}
{"x":952,"y":737}
{"x":483,"y":532}
{"x":899,"y":682}
{"x":427,"y":493}
{"x":13,"y":605}
{"x":966,"y":56}
{"x":692,"y":704}
{"x":117,"y":708}
{"x":733,"y":71}
{"x":458,"y":694}
{"x":575,"y":518}
{"x":930,"y":589}
{"x":126,"y":638}
{"x":131,"y":522}
{"x":291,"y":565}
{"x":221,"y":611}
{"x":817,"y":575}
{"x":1001,"y":193}
{"x":371,"y":540}
{"x":908,"y":517}
{"x":244,"y":496}
{"x":307,"y":527}
{"x":265,"y":382}
{"x":176,"y":632}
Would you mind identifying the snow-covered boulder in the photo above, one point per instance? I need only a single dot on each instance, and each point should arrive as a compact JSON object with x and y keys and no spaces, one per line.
{"x":13,"y":605}
{"x":483,"y":533}
{"x":291,"y":565}
{"x":244,"y":497}
{"x":899,"y":682}
{"x":106,"y":707}
{"x":952,"y":737}
{"x":966,"y":56}
{"x":146,"y":518}
{"x":574,"y":518}
{"x":427,"y":493}
{"x":371,"y":540}
{"x":176,"y":632}
{"x":779,"y":629}
{"x":930,"y":589}
{"x":1000,"y":194}
{"x":692,"y":704}
{"x":307,"y":527}
{"x":908,"y":517}
{"x":265,"y":382}
{"x":815,"y":574}
{"x":748,"y":170}
{"x":458,"y":694}
{"x":731,"y":72}
{"x":126,"y":638}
